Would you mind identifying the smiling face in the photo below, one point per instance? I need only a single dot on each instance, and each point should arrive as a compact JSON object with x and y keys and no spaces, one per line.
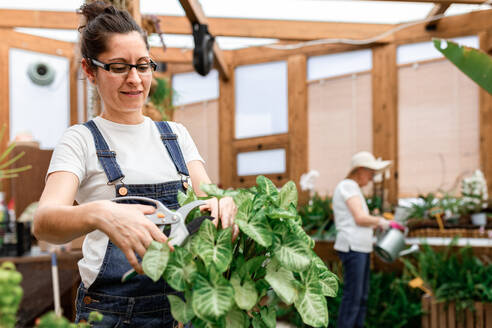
{"x":123,"y":95}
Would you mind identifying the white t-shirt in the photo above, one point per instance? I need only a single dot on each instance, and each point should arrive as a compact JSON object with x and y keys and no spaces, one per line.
{"x":350,"y":236}
{"x":142,"y":158}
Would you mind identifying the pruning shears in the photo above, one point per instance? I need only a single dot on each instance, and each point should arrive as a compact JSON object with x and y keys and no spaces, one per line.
{"x":163,"y":217}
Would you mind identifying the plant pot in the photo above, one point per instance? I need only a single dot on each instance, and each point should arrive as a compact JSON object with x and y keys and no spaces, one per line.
{"x":479,"y":219}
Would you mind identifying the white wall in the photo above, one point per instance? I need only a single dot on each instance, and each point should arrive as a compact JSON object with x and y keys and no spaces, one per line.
{"x":44,"y":111}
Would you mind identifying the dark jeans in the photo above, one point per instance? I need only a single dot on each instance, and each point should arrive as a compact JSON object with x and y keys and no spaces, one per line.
{"x":353,"y":308}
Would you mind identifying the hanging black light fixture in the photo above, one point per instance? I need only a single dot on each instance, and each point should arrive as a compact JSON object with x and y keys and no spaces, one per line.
{"x":203,"y":54}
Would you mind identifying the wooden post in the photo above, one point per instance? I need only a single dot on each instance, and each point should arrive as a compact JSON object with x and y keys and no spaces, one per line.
{"x":74,"y":87}
{"x":385,"y":111}
{"x":133,"y":7}
{"x":4,"y":108}
{"x":297,"y":154}
{"x":485,"y":117}
{"x":227,"y":160}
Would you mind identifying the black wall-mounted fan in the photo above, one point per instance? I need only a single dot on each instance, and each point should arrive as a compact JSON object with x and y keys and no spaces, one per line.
{"x":203,"y":54}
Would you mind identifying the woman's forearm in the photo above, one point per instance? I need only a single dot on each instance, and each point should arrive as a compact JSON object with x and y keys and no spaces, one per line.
{"x":367,"y":220}
{"x":59,"y":224}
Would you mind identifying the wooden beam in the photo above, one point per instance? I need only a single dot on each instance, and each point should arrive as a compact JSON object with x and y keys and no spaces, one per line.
{"x":172,"y":55}
{"x":195,"y":14}
{"x":437,"y":10}
{"x":74,"y":87}
{"x":277,"y":29}
{"x":297,"y":154}
{"x":485,"y":117}
{"x":4,"y":107}
{"x":36,"y":43}
{"x":385,"y":111}
{"x":39,"y":19}
{"x":227,"y":160}
{"x":256,"y":55}
{"x":133,"y":7}
{"x":233,"y":27}
{"x":449,"y":27}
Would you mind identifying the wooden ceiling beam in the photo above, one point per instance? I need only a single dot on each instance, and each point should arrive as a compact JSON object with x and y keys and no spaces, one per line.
{"x":257,"y":55}
{"x":231,"y":27}
{"x":36,"y":43}
{"x":172,"y":55}
{"x":437,"y":10}
{"x":195,"y":14}
{"x":449,"y":27}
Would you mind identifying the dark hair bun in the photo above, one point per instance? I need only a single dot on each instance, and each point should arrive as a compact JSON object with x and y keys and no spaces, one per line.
{"x":91,"y":10}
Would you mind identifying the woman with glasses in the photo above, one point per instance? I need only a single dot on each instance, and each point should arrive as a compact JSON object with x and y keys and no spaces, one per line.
{"x":119,"y":153}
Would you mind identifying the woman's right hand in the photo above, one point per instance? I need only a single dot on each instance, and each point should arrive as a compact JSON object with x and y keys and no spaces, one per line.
{"x":129,"y":229}
{"x":383,"y":223}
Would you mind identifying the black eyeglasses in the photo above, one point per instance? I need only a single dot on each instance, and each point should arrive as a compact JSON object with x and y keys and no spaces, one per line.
{"x":124,"y":68}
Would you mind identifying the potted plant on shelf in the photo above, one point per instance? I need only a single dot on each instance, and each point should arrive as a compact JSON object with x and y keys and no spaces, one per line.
{"x":475,"y":197}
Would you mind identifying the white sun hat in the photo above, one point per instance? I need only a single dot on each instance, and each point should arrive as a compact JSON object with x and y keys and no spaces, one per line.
{"x":366,"y":159}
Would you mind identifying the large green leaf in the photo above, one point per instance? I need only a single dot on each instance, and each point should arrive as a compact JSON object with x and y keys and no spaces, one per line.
{"x":311,"y":303}
{"x":288,"y":195}
{"x":299,"y":232}
{"x":212,"y":190}
{"x":180,"y":269}
{"x":214,"y":247}
{"x":181,"y":311}
{"x":245,"y":293}
{"x":282,"y":282}
{"x":476,"y":64}
{"x":279,"y":213}
{"x":237,"y":319}
{"x":266,"y":186}
{"x":155,"y":260}
{"x":313,"y":308}
{"x":243,"y":196}
{"x":327,"y":279}
{"x":292,"y":253}
{"x":257,"y":227}
{"x":211,"y":300}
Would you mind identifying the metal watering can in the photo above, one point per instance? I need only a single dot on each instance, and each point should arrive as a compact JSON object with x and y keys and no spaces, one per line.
{"x":392,"y":244}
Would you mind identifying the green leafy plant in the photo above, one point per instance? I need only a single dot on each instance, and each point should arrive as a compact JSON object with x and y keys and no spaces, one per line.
{"x":476,"y":64}
{"x":160,"y":96}
{"x":233,"y":283}
{"x":6,"y":162}
{"x":317,"y":217}
{"x":453,"y":275}
{"x":392,"y":303}
{"x":51,"y":320}
{"x":10,"y":294}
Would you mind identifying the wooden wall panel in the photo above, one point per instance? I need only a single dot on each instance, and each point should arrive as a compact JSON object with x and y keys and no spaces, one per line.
{"x":340,"y":124}
{"x":385,"y":111}
{"x":438,"y":127}
{"x":297,"y":154}
{"x":202,"y":121}
{"x":227,"y":160}
{"x":486,"y":117}
{"x":4,"y":106}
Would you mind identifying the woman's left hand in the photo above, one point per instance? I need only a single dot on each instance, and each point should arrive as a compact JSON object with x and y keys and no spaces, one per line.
{"x":224,"y":210}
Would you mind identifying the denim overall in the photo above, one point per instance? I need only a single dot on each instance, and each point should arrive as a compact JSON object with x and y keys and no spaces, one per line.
{"x":138,"y":302}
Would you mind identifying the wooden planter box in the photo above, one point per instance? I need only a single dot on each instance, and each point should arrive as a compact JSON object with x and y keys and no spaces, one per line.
{"x":440,"y":315}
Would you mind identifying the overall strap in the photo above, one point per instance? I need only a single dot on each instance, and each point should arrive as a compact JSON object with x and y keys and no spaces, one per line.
{"x":106,"y":157}
{"x":170,"y":140}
